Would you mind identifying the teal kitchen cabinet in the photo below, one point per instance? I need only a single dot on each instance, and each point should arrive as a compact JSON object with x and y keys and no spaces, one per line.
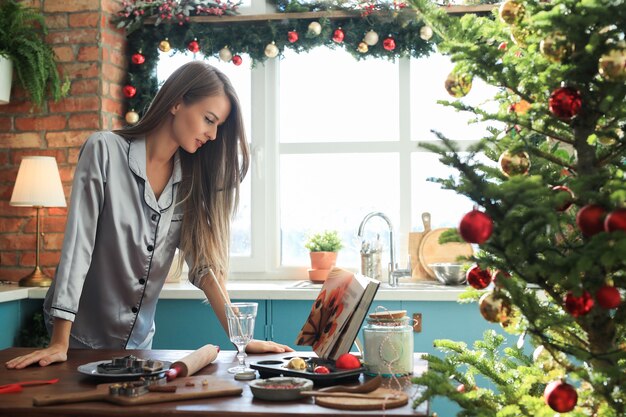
{"x":190,"y":324}
{"x":10,"y":319}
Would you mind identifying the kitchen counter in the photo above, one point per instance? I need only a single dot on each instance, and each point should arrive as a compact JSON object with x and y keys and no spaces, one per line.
{"x":21,"y":404}
{"x":269,"y":290}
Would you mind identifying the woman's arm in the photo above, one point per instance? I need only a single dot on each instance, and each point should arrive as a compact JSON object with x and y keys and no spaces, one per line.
{"x":55,"y":352}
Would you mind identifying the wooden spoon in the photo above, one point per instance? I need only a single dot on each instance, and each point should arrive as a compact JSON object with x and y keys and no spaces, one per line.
{"x":369,"y":386}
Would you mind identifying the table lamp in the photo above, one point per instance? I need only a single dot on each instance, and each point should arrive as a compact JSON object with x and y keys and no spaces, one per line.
{"x":38,"y":185}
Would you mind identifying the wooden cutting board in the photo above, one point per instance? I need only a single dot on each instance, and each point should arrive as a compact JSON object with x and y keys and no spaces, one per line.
{"x":415,"y":238}
{"x":398,"y":399}
{"x":215,"y":388}
{"x":431,"y":251}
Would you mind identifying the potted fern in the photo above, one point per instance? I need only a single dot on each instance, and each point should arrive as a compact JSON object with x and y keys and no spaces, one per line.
{"x":323,"y":249}
{"x":24,"y":51}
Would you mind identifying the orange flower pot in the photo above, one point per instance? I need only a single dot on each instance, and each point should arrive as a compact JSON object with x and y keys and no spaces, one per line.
{"x":323,"y":260}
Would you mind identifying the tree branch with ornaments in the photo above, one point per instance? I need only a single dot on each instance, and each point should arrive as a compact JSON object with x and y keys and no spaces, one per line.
{"x":550,"y":215}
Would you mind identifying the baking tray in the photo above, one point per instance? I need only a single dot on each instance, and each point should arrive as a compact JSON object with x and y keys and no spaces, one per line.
{"x":277,"y":367}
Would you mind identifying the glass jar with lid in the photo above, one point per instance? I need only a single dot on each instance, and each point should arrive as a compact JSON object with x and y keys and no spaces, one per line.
{"x":388,"y":349}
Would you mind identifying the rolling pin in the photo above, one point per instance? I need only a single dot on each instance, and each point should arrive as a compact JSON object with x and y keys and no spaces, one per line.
{"x":193,"y":362}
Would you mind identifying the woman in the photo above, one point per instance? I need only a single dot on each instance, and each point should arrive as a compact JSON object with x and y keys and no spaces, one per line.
{"x":170,"y":181}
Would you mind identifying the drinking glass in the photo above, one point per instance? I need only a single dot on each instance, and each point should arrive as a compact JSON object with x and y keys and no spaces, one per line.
{"x":241,"y":318}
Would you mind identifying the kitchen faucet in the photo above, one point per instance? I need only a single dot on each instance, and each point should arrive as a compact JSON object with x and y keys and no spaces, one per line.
{"x":394,"y":273}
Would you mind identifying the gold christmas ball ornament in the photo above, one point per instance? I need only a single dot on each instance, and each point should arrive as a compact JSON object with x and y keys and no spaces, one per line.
{"x":271,"y":50}
{"x":495,"y":307}
{"x":556,"y":47}
{"x":164,"y":45}
{"x":371,"y":38}
{"x":612,"y":65}
{"x":225,"y":54}
{"x":315,"y":28}
{"x":518,"y":36}
{"x":511,"y":12}
{"x":132,"y":117}
{"x":458,"y":85}
{"x":362,"y":48}
{"x":514,"y":164}
{"x":426,"y":32}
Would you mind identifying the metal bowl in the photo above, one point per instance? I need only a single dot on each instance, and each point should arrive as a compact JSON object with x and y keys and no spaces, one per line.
{"x":450,"y":273}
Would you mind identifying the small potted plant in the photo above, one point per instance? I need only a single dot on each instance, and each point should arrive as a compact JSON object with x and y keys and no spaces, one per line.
{"x":323,"y":249}
{"x":24,"y":51}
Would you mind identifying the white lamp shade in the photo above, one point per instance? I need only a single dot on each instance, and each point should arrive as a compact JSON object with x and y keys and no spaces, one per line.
{"x":38,"y":183}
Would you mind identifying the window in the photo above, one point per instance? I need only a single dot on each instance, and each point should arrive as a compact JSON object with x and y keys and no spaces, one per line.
{"x":333,"y":139}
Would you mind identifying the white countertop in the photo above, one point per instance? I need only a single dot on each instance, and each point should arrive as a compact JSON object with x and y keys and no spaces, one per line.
{"x":270,"y":290}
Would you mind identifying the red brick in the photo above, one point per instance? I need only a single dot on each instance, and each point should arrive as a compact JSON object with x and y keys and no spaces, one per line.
{"x":6,"y":123}
{"x":75,"y":104}
{"x":58,"y":211}
{"x":17,"y":106}
{"x":84,"y":87}
{"x":52,"y":6}
{"x":116,"y":40}
{"x":17,"y":242}
{"x":82,"y":70}
{"x":5,"y":192}
{"x":8,"y":210}
{"x":64,"y":53}
{"x":112,"y":73}
{"x":46,"y":258}
{"x":111,"y":6}
{"x":73,"y":37}
{"x":112,"y":106}
{"x":53,"y":241}
{"x":118,"y":123}
{"x":66,"y":139}
{"x":14,"y":274}
{"x":56,"y":21}
{"x":85,"y":121}
{"x":8,"y":174}
{"x":83,"y":20}
{"x":59,"y":155}
{"x":20,"y":140}
{"x":114,"y":56}
{"x":11,"y":224}
{"x":8,"y":258}
{"x":4,"y":157}
{"x":67,"y":173}
{"x":89,"y":53}
{"x":41,"y":123}
{"x":49,"y":224}
{"x":72,"y":156}
{"x":34,"y":4}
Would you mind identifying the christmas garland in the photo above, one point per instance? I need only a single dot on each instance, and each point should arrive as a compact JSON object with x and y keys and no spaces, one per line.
{"x":388,"y":30}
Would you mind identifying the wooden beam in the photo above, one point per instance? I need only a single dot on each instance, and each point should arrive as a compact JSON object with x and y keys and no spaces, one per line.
{"x":329,"y":14}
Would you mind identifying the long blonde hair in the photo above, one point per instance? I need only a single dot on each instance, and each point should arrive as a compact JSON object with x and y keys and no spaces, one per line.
{"x":209,"y":190}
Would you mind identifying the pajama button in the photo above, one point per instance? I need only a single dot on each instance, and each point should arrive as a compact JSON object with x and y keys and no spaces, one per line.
{"x":150,"y":248}
{"x":154,"y":217}
{"x":134,"y":309}
{"x":142,"y":281}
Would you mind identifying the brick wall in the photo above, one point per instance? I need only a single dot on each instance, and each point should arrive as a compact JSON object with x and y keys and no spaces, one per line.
{"x":90,"y":52}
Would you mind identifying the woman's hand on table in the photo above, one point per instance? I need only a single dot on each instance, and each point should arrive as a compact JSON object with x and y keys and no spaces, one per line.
{"x":51,"y":354}
{"x":264,"y":346}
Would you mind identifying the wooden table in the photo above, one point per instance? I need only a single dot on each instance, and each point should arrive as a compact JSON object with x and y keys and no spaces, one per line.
{"x":21,"y":404}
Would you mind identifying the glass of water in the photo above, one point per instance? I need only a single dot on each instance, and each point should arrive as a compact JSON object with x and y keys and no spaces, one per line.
{"x":241,"y":318}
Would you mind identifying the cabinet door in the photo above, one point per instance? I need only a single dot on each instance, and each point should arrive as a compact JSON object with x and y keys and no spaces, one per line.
{"x":449,"y":320}
{"x":189,"y":324}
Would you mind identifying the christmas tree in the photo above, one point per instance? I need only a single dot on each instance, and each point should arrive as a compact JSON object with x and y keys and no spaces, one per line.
{"x":550,"y":216}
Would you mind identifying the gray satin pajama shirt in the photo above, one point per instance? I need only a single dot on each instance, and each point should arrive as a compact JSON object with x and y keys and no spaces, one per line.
{"x":118,"y":246}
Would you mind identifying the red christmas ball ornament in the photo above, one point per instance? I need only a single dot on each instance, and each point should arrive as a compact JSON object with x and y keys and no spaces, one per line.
{"x":129,"y":91}
{"x":389,"y":44}
{"x":338,"y":35}
{"x":567,"y":199}
{"x":502,"y":46}
{"x":292,"y":36}
{"x":590,"y":219}
{"x":478,"y":278}
{"x":138,"y":58}
{"x":476,"y":227}
{"x":347,"y":361}
{"x":616,"y":220}
{"x":578,"y":305}
{"x":565,"y":102}
{"x":194,"y":46}
{"x":608,"y":297}
{"x":560,"y":396}
{"x":237,"y":60}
